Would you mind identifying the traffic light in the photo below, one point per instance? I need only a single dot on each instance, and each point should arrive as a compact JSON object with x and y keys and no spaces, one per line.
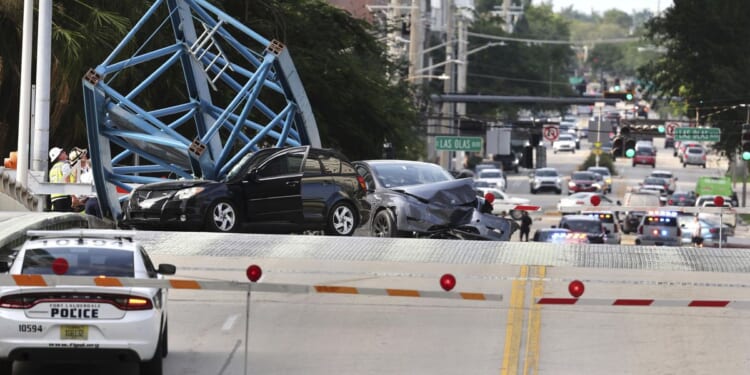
{"x":745,"y":141}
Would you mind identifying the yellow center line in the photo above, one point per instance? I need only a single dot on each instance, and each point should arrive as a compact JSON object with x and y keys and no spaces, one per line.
{"x":531,"y":364}
{"x":514,"y":326}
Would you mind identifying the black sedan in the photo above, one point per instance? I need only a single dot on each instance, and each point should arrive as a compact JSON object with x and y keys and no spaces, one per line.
{"x":312,"y":189}
{"x":416,"y":199}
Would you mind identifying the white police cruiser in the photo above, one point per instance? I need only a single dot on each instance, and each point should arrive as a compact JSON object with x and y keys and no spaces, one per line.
{"x":79,"y":323}
{"x":659,"y":228}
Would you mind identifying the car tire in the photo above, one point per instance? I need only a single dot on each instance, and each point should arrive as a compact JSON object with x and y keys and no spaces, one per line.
{"x":533,"y":191}
{"x":684,"y":165}
{"x":342,"y":220}
{"x":516,"y":169}
{"x":165,"y":341}
{"x":222,"y":216}
{"x":154,"y":365}
{"x":6,"y":367}
{"x":384,"y":224}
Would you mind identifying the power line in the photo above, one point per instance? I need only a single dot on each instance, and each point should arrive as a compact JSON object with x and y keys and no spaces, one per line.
{"x":551,"y":41}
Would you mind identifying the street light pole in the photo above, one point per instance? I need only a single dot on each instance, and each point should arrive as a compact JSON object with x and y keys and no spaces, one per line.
{"x":599,"y":105}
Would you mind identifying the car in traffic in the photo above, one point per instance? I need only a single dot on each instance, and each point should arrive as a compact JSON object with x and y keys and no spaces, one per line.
{"x":542,"y":179}
{"x":583,"y":181}
{"x":606,"y":174}
{"x":591,"y":226}
{"x":671,"y":179}
{"x":305,"y":187}
{"x":493,"y":177}
{"x":711,"y":230}
{"x":645,"y":155}
{"x":669,"y":142}
{"x":728,"y":216}
{"x":503,"y":203}
{"x":559,"y":236}
{"x":417,"y":199}
{"x":680,"y":150}
{"x":682,"y":198}
{"x":574,"y":202}
{"x":564,"y":143}
{"x":656,"y":184}
{"x":639,"y":203}
{"x":84,"y":323}
{"x":509,"y":162}
{"x":659,"y":228}
{"x":694,"y":156}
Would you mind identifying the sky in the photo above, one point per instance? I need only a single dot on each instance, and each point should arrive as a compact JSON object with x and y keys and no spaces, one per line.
{"x":627,"y":6}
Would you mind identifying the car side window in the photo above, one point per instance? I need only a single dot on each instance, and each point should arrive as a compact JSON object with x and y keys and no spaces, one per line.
{"x":312,"y":165}
{"x":331,"y":164}
{"x":282,"y":165}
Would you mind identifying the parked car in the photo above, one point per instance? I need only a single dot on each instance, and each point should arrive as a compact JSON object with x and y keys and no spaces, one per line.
{"x":669,"y":176}
{"x":605,"y":173}
{"x":493,"y":177}
{"x":584,"y":182}
{"x":49,"y":323}
{"x":709,"y":229}
{"x":645,"y":155}
{"x":682,"y":198}
{"x":309,"y":188}
{"x":545,"y":179}
{"x":503,"y":203}
{"x":694,"y":156}
{"x":591,"y":226}
{"x":416,"y":199}
{"x":581,"y":200}
{"x":641,"y":202}
{"x":564,"y":142}
{"x":559,"y":236}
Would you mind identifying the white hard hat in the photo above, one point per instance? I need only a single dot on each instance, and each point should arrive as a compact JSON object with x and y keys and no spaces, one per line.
{"x":54,"y":153}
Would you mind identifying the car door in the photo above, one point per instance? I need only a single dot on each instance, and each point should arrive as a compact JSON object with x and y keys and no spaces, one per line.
{"x":273,"y":190}
{"x":318,"y":184}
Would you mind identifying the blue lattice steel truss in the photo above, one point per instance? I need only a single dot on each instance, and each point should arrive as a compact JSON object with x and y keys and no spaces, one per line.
{"x":241,"y":92}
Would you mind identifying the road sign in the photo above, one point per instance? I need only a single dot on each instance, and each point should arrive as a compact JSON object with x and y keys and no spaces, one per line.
{"x":670,"y":128}
{"x":551,"y":132}
{"x":445,"y":143}
{"x":597,"y":151}
{"x":697,"y":134}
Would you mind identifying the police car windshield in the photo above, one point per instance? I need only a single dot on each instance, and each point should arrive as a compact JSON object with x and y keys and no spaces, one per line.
{"x":82,"y":261}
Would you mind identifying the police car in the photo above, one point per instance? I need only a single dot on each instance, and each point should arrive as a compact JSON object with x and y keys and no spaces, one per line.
{"x":81,"y":323}
{"x":659,"y":228}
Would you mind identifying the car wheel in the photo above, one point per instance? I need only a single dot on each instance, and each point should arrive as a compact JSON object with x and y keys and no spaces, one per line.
{"x":342,"y":220}
{"x":516,"y":214}
{"x":532,"y":191}
{"x":154,"y":365}
{"x":384,"y":224}
{"x":222,"y":217}
{"x":558,"y":191}
{"x":515,"y":169}
{"x":554,"y":151}
{"x":6,"y":367}
{"x":165,"y":341}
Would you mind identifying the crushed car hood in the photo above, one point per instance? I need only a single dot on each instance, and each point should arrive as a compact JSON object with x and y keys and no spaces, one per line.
{"x":450,"y":193}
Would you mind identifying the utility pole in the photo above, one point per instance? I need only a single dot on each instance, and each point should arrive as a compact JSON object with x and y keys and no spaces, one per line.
{"x":43,"y":71}
{"x":448,"y":17}
{"x":744,"y":163}
{"x":416,"y":40}
{"x":24,"y":115}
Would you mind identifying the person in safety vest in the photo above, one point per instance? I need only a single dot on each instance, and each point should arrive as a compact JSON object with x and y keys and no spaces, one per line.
{"x":60,"y":173}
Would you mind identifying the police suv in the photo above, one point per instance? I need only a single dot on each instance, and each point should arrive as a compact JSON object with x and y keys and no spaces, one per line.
{"x":659,"y":228}
{"x":82,"y":323}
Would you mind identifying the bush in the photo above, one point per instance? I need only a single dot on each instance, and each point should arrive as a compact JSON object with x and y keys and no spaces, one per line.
{"x":605,"y":160}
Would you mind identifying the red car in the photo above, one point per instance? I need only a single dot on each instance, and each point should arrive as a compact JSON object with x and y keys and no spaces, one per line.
{"x":583,"y":182}
{"x":645,"y":155}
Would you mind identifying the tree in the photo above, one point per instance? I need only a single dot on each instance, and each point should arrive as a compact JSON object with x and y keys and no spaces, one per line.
{"x":705,"y":62}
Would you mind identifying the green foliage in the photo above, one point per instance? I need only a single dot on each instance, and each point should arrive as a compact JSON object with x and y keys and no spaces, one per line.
{"x":605,"y":160}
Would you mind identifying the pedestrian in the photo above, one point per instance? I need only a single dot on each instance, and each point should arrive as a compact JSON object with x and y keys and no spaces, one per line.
{"x":525,"y":226}
{"x":697,"y":235}
{"x":60,"y":173}
{"x":88,"y":203}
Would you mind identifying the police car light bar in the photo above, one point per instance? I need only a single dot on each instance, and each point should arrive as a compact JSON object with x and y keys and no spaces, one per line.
{"x":83,"y":233}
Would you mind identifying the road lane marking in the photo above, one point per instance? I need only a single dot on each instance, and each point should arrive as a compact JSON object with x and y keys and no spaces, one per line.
{"x":514,"y":326}
{"x":229,"y":323}
{"x":531,"y":364}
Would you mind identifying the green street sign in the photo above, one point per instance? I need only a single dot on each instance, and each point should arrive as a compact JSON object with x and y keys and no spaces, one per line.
{"x":697,"y":134}
{"x":443,"y":143}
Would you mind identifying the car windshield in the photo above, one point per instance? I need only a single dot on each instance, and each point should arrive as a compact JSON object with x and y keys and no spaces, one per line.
{"x":490,"y":174}
{"x":644,"y":151}
{"x":565,"y":137}
{"x":82,"y":261}
{"x":546,"y":173}
{"x":695,"y":151}
{"x":661,"y":175}
{"x":642,"y":200}
{"x":404,"y":174}
{"x":654,"y":181}
{"x":601,"y":171}
{"x":583,"y":176}
{"x":587,"y":226}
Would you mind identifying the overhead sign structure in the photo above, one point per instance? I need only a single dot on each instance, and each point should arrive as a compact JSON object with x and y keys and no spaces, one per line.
{"x":445,"y":143}
{"x":551,"y":132}
{"x":697,"y":134}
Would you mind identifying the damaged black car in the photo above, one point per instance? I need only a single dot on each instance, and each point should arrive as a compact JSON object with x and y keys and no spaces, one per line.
{"x":416,"y":199}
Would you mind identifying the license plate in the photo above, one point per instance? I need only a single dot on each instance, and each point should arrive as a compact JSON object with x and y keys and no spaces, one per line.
{"x":68,"y":332}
